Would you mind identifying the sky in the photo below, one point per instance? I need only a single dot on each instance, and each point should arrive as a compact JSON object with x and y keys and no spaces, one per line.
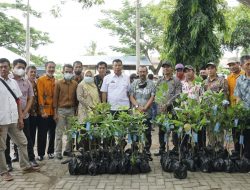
{"x":75,"y":29}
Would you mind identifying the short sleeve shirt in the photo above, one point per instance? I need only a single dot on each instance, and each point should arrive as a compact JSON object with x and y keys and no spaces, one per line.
{"x":8,"y":108}
{"x":117,"y":88}
{"x":142,"y":95}
{"x":242,"y":90}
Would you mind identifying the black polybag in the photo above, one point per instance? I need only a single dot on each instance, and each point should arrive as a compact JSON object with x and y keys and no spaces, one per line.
{"x":180,"y":170}
{"x":230,"y":166}
{"x":93,"y":168}
{"x":73,"y":166}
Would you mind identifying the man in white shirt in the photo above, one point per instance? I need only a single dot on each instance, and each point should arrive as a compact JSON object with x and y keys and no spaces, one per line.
{"x":11,"y":122}
{"x":115,"y":88}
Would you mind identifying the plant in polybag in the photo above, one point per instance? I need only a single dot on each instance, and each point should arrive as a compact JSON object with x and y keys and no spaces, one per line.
{"x":73,"y":166}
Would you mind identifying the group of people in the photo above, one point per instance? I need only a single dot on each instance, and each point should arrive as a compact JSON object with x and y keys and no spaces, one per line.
{"x":40,"y":107}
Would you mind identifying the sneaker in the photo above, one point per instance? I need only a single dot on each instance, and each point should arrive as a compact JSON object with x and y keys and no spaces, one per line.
{"x":59,"y":156}
{"x":51,"y":156}
{"x":16,"y":159}
{"x":7,"y":176}
{"x":40,"y":158}
{"x":33,"y":163}
{"x":10,"y":168}
{"x":31,"y":169}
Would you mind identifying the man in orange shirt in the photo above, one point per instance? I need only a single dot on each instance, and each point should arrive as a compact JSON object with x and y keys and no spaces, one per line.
{"x":235,"y":69}
{"x":45,"y":88}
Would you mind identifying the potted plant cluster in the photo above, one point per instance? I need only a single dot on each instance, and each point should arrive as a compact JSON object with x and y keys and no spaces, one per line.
{"x":190,"y":116}
{"x":106,"y":136}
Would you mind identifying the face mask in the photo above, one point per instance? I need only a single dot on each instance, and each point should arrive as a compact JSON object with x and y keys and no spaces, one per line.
{"x":68,"y":76}
{"x":78,"y":72}
{"x":88,"y":79}
{"x":19,"y":72}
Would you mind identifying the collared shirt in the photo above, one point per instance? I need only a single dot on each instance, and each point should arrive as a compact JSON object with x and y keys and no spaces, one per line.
{"x":193,"y":90}
{"x":65,"y":94}
{"x":216,"y":85}
{"x":231,"y":79}
{"x":78,"y":78}
{"x":8,"y":108}
{"x":142,"y":95}
{"x":242,"y":90}
{"x":34,"y":110}
{"x":27,"y":91}
{"x":117,"y":88}
{"x":174,"y":89}
{"x":45,"y":88}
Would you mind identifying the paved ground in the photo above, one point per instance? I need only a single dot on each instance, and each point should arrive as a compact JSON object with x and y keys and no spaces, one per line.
{"x":53,"y":175}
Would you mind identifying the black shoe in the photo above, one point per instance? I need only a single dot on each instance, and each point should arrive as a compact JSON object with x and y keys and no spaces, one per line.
{"x":10,"y":168}
{"x":40,"y":158}
{"x":159,"y":153}
{"x":51,"y":156}
{"x":59,"y":156}
{"x":16,"y":159}
{"x":69,"y":154}
{"x":33,"y":163}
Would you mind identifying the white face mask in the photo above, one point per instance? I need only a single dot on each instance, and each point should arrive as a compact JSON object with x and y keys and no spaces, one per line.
{"x":89,"y":79}
{"x":19,"y":72}
{"x":68,"y":76}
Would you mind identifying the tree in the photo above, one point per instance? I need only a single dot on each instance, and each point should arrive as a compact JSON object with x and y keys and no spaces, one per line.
{"x":91,"y":50}
{"x":122,"y":23}
{"x":190,"y":37}
{"x":238,"y":25}
{"x":13,"y":32}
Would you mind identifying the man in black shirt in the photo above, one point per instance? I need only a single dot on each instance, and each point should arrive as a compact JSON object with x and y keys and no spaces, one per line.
{"x":101,"y":68}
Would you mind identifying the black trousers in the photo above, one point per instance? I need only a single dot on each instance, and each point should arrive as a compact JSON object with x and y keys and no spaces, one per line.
{"x":46,"y":126}
{"x":246,"y":134}
{"x":30,"y":146}
{"x":148,"y":134}
{"x":202,"y":138}
{"x":33,"y":128}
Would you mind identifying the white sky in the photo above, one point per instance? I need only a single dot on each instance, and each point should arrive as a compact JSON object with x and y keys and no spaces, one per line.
{"x":75,"y":29}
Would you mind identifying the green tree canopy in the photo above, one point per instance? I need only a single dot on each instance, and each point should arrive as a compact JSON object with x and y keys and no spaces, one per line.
{"x":190,"y":37}
{"x":13,"y":32}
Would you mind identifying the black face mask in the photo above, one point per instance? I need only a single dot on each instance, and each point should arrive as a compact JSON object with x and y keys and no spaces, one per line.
{"x":204,"y":77}
{"x":142,"y":84}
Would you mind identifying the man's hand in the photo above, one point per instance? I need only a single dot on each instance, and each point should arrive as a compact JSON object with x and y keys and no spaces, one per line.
{"x":20,"y":123}
{"x":55,"y":117}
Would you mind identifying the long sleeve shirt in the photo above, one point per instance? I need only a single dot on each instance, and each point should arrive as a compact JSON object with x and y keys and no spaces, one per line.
{"x":65,"y":94}
{"x":45,"y":88}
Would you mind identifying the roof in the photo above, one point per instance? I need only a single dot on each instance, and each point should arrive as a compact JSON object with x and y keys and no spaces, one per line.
{"x":10,"y":55}
{"x":126,"y":60}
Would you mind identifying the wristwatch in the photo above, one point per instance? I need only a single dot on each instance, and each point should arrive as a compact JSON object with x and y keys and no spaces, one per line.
{"x":137,"y":106}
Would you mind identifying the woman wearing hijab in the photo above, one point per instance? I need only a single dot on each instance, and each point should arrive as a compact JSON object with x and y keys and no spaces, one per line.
{"x":87,"y":95}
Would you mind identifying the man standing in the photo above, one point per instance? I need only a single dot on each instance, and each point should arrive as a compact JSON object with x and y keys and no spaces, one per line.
{"x":174,"y":89}
{"x":26,"y":102}
{"x":242,"y":93}
{"x":34,"y":110}
{"x":11,"y":121}
{"x":101,"y":68}
{"x":77,"y":65}
{"x":216,"y":84}
{"x":234,"y":66}
{"x":45,"y":87}
{"x":64,"y":107}
{"x":115,"y":88}
{"x":142,"y":92}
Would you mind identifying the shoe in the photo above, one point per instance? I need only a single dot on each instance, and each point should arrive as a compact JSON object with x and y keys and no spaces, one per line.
{"x":69,"y":154}
{"x":31,"y":169}
{"x":59,"y":156}
{"x":16,"y":159}
{"x":7,"y":176}
{"x":33,"y":163}
{"x":159,"y":153}
{"x":149,"y":156}
{"x":51,"y":156}
{"x":40,"y":158}
{"x":10,"y":168}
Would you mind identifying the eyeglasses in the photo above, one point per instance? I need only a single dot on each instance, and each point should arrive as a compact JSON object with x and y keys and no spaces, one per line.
{"x":179,"y":70}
